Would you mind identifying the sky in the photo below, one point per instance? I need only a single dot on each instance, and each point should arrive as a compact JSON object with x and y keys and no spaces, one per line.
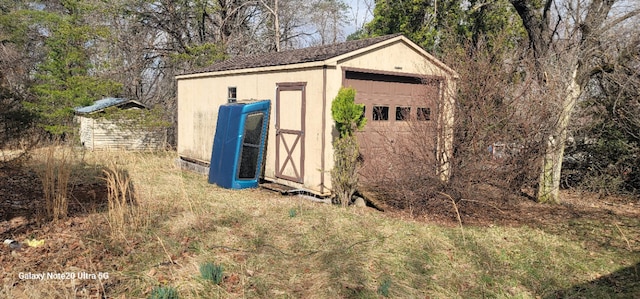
{"x":361,"y":12}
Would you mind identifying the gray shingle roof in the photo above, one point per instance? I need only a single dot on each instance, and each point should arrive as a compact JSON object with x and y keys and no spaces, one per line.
{"x":105,"y":103}
{"x":311,"y":54}
{"x":100,"y":104}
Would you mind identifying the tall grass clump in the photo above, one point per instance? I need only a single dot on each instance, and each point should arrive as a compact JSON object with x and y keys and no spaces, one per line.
{"x":212,"y":272}
{"x":124,"y":213}
{"x":55,"y":176}
{"x":383,"y":289}
{"x":164,"y":292}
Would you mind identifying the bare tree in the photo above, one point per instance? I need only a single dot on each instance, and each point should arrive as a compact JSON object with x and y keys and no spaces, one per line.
{"x":604,"y":146}
{"x":329,"y":17}
{"x":287,"y":23}
{"x":565,"y":39}
{"x":274,"y":10}
{"x":361,"y":12}
{"x":233,"y":19}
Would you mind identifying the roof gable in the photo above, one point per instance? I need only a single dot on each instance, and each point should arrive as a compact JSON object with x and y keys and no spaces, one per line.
{"x":405,"y":41}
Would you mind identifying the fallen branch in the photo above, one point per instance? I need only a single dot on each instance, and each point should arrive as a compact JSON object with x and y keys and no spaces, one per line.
{"x":624,"y":237}
{"x":455,"y":207}
{"x":165,"y":251}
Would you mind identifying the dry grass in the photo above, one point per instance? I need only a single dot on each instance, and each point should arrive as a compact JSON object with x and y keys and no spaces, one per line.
{"x":320,"y":251}
{"x":54,"y":175}
{"x":124,"y":212}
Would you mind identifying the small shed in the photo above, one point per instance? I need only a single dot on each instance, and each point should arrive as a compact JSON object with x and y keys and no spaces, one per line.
{"x":98,"y":132}
{"x":392,"y":76}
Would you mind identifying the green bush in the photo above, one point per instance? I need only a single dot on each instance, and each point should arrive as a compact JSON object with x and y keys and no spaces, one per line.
{"x":349,"y":118}
{"x":348,"y":115}
{"x":344,"y":175}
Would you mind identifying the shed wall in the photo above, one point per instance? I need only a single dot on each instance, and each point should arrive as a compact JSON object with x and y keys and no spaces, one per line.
{"x":100,"y":134}
{"x":200,"y":98}
{"x":86,"y":132}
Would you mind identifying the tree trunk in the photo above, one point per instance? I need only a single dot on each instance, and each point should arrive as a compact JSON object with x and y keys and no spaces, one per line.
{"x":276,"y":24}
{"x":549,"y":186}
{"x":274,"y":11}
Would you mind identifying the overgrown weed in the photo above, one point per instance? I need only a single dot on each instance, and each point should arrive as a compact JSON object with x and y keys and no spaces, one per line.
{"x":55,"y":175}
{"x":124,"y":213}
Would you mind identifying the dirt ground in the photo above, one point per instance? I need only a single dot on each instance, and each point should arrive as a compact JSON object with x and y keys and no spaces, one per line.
{"x":21,"y":198}
{"x":20,"y":202}
{"x":491,"y":208}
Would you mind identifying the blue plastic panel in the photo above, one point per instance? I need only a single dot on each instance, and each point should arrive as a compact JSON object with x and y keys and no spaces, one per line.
{"x":239,"y":144}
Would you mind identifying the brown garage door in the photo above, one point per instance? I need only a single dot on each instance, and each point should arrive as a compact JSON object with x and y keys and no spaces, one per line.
{"x":397,"y":108}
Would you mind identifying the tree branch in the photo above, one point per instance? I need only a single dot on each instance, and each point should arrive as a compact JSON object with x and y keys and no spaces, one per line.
{"x":619,"y":20}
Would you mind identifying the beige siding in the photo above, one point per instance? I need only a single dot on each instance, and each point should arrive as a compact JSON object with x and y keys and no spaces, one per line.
{"x":198,"y":104}
{"x":200,"y":98}
{"x":100,"y":134}
{"x":396,"y":57}
{"x":86,"y":131}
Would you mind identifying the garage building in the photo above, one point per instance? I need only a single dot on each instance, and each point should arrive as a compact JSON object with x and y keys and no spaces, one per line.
{"x":395,"y":79}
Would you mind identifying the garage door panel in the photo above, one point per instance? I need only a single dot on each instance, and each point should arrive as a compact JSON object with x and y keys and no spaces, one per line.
{"x":383,"y":136}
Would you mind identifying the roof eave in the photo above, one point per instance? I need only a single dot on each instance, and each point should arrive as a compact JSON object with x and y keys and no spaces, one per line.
{"x":115,"y":105}
{"x":304,"y":65}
